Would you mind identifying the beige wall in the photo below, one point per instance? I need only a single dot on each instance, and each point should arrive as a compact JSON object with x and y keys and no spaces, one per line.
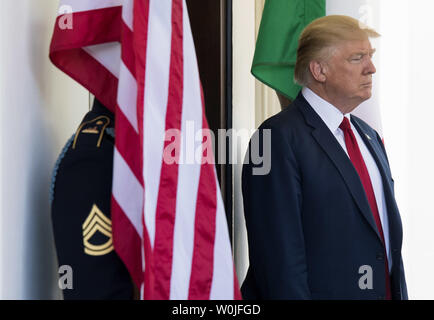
{"x":40,"y":109}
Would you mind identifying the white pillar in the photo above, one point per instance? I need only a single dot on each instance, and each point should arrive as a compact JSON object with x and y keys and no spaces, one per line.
{"x":243,"y":115}
{"x":40,"y":109}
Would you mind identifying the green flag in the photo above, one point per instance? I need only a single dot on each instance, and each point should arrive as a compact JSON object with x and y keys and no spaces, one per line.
{"x":276,"y":47}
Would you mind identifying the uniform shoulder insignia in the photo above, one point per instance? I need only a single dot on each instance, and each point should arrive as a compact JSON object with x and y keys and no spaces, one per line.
{"x":95,"y":223}
{"x":95,"y":126}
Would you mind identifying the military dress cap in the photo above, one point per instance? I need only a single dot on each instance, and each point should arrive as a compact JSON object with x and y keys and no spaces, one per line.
{"x":81,"y":217}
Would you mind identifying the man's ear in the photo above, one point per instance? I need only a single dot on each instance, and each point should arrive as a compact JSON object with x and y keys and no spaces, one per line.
{"x":317,"y":70}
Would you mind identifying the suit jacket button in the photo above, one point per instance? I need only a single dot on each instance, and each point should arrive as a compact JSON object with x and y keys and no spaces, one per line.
{"x":395,"y":250}
{"x":380,"y":256}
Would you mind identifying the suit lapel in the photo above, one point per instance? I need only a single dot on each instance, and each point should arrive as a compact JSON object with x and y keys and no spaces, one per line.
{"x":395,"y":225}
{"x":339,"y":158}
{"x":374,"y":149}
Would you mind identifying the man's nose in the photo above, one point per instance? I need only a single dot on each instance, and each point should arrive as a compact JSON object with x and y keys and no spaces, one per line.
{"x":370,"y":68}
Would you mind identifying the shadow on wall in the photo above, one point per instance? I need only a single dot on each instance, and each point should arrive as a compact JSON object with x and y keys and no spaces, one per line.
{"x":40,"y":280}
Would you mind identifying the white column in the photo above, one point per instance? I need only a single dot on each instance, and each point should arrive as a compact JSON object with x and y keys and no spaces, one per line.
{"x":40,"y":109}
{"x":408,"y":109}
{"x":243,"y":116}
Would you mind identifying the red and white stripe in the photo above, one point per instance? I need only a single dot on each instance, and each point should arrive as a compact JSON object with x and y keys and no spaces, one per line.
{"x":138,"y":58}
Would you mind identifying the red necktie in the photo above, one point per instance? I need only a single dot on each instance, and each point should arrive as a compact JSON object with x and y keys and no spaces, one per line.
{"x":360,"y":166}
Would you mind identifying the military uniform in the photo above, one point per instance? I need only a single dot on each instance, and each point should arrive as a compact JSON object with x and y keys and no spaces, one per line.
{"x":81,"y":195}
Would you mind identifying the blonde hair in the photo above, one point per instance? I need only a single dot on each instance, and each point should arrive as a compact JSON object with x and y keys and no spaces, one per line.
{"x":320,"y":37}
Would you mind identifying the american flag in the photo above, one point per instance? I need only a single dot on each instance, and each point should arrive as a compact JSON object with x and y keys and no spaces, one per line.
{"x":138,"y":58}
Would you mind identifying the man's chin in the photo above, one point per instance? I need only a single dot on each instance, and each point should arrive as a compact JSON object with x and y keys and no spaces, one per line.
{"x":366,"y":94}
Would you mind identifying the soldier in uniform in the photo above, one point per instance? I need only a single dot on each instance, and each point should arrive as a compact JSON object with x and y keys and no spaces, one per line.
{"x":81,"y":195}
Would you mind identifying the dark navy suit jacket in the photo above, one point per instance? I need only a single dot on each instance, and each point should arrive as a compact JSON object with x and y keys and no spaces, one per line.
{"x":309,"y":224}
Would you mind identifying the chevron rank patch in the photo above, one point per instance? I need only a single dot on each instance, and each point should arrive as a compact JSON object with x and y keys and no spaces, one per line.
{"x":97,"y":233}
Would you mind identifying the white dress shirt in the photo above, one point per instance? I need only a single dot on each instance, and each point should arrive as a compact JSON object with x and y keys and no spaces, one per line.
{"x":332,"y":117}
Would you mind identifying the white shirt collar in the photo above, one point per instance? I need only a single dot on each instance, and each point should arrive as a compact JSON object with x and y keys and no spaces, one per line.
{"x":331,"y":115}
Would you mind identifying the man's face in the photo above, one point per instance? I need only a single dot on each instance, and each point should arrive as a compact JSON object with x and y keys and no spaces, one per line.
{"x":349,"y":72}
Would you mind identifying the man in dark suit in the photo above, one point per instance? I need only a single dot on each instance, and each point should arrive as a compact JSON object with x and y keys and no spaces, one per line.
{"x":324,"y":223}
